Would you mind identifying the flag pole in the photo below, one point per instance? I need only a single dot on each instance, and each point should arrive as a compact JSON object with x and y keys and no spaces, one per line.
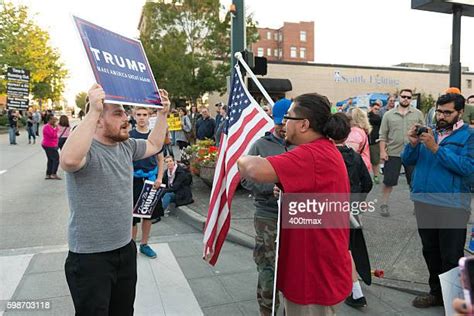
{"x":239,"y":57}
{"x":277,"y":250}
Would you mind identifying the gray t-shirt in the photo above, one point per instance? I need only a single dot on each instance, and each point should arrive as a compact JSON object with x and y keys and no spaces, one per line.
{"x":101,"y":199}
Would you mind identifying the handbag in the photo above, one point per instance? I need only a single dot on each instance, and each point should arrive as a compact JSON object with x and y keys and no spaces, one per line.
{"x":62,"y":140}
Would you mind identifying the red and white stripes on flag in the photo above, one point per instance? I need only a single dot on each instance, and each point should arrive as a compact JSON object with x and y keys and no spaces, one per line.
{"x":246,"y":122}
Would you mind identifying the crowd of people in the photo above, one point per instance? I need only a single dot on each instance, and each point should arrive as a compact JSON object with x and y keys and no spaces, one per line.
{"x":99,"y":154}
{"x":438,"y":159}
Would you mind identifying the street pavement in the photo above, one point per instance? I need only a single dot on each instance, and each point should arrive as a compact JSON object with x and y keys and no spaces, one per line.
{"x":33,"y":246}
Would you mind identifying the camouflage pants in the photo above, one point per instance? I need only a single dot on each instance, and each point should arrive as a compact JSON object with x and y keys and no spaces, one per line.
{"x":264,"y":256}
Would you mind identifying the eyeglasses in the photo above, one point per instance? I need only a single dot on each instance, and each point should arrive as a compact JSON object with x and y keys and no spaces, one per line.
{"x":405,"y":97}
{"x":294,"y":118}
{"x":445,"y":113}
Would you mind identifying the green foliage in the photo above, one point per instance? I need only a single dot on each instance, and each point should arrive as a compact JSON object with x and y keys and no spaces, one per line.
{"x":427,"y":101}
{"x":81,"y":100}
{"x":3,"y":120}
{"x":23,"y":44}
{"x":188,"y":46}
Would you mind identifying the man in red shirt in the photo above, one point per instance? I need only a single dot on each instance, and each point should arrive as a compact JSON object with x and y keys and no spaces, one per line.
{"x":314,"y":266}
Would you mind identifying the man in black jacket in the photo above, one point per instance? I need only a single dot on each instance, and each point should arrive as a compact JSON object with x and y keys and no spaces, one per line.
{"x":205,"y":126}
{"x":178,"y":181}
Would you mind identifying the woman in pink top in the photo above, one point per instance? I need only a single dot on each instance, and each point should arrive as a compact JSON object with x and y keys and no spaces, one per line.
{"x":358,"y":138}
{"x":50,"y":146}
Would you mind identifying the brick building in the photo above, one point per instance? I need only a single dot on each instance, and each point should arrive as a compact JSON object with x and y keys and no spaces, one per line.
{"x":292,"y":42}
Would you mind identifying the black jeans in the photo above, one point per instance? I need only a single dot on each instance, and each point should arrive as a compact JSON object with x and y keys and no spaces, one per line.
{"x":103,"y":283}
{"x":53,"y":160}
{"x":442,"y":246}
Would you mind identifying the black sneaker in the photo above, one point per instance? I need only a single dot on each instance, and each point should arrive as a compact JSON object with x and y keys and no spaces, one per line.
{"x":427,"y":300}
{"x":356,"y":303}
{"x":384,"y":210}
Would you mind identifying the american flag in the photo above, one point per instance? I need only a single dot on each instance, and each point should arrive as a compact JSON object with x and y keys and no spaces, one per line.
{"x":246,"y":122}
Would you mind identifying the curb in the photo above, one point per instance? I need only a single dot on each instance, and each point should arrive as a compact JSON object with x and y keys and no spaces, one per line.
{"x":198,"y":221}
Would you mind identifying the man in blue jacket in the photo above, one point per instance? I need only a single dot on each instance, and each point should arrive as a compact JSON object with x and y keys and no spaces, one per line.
{"x":444,"y":168}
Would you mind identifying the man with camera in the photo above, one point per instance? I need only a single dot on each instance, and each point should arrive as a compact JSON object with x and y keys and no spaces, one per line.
{"x":392,"y":136}
{"x":444,"y":166}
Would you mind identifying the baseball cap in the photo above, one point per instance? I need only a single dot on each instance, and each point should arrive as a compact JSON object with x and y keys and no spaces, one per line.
{"x":453,"y":90}
{"x":280,"y":108}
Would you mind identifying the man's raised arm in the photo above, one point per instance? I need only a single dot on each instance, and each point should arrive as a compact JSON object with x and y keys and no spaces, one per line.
{"x":157,"y":135}
{"x":73,"y":154}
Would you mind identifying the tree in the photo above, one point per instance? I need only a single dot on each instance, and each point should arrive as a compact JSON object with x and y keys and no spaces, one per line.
{"x":188,"y":46}
{"x":23,"y":44}
{"x":81,"y":100}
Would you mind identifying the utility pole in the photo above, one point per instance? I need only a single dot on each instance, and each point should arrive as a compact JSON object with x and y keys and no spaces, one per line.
{"x":457,"y":8}
{"x":455,"y":65}
{"x":238,"y":35}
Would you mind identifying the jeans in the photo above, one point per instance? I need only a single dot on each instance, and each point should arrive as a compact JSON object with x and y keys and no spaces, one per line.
{"x":31,"y":133}
{"x":53,"y":160}
{"x":167,"y":199}
{"x":12,"y":135}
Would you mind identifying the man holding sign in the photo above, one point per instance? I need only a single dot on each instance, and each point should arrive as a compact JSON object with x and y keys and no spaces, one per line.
{"x":150,"y":169}
{"x":101,"y":268}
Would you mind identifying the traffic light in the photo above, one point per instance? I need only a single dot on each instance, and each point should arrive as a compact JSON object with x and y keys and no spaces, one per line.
{"x":257,"y":64}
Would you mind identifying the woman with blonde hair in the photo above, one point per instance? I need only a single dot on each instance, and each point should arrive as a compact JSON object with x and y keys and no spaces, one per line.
{"x":358,"y":138}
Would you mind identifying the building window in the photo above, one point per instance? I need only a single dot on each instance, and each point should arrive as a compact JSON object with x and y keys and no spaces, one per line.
{"x":269,"y":35}
{"x":280,"y":37}
{"x":275,"y":36}
{"x":280,"y":53}
{"x":303,"y":52}
{"x":269,"y":52}
{"x":303,"y":36}
{"x":469,"y":83}
{"x":275,"y":52}
{"x":260,"y":52}
{"x":293,"y":52}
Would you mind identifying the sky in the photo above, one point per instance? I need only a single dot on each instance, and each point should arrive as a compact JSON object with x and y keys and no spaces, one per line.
{"x":364,"y":32}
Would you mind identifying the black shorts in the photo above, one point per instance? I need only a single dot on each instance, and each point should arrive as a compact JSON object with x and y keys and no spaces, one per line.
{"x":137,"y":189}
{"x":391,"y":171}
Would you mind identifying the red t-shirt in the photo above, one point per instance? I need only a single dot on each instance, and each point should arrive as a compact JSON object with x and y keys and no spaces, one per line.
{"x":314,"y":265}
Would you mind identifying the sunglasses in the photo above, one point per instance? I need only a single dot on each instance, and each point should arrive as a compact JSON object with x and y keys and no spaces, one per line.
{"x":294,"y":118}
{"x":405,"y":97}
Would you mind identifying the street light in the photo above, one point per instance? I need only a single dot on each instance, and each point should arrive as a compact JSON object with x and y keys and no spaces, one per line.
{"x":457,"y":8}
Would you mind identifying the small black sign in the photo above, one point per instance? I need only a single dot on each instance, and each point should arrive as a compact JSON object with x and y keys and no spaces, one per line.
{"x":18,"y":103}
{"x":18,"y":74}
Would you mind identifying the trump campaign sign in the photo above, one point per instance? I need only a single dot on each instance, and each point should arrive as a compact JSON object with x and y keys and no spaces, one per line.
{"x":119,"y":65}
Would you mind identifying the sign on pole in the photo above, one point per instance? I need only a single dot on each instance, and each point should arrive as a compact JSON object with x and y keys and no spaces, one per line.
{"x":18,"y":88}
{"x":119,"y":65}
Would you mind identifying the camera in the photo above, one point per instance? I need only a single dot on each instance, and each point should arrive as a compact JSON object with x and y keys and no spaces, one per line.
{"x":420,"y":130}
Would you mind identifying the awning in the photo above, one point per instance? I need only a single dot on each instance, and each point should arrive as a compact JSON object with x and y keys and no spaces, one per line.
{"x":270,"y":84}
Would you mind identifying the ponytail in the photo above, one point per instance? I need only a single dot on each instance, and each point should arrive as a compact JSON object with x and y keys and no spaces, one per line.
{"x":337,"y":127}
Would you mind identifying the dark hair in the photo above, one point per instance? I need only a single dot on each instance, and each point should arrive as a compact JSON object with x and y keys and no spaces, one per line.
{"x":316,"y":108}
{"x":64,"y":121}
{"x":184,"y":110}
{"x":471,"y":96}
{"x":169,"y":156}
{"x":458,"y":100}
{"x":406,"y":90}
{"x":340,"y":127}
